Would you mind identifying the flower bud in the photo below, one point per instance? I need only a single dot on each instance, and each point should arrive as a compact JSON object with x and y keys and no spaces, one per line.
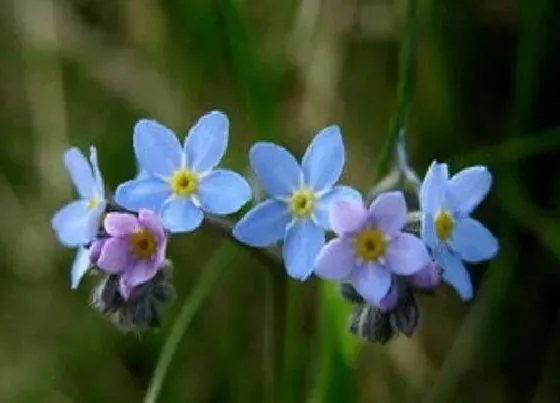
{"x":426,"y":279}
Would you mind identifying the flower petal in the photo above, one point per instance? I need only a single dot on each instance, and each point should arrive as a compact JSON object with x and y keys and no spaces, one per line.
{"x":322,"y":209}
{"x":335,"y":261}
{"x":426,"y":279}
{"x":223,"y":192}
{"x":150,"y":220}
{"x":149,"y":193}
{"x":468,"y":188}
{"x":277,"y":169}
{"x":95,"y":250}
{"x":120,"y":225}
{"x":181,"y":215}
{"x":406,"y":255}
{"x":80,"y":172}
{"x":347,"y":216}
{"x":207,"y":141}
{"x":304,"y":239}
{"x":140,"y":273}
{"x":388,"y":212}
{"x":454,"y":272}
{"x":115,"y":256}
{"x":125,"y":289}
{"x":156,"y":147}
{"x":428,"y":230}
{"x":372,"y":282}
{"x":80,"y":266}
{"x":433,"y":188}
{"x":264,"y":225}
{"x":324,"y":159}
{"x":473,"y":242}
{"x":99,"y":185}
{"x":75,"y":225}
{"x":390,"y":301}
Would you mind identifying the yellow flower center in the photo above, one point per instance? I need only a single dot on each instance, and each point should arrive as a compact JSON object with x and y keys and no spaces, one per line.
{"x":183,"y":183}
{"x":302,"y":203}
{"x":444,"y":224}
{"x":370,"y":245}
{"x":92,"y":203}
{"x":143,"y":244}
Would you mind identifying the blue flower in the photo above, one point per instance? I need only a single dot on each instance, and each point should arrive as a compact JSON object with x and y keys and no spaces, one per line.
{"x":447,"y":228}
{"x":180,"y":182}
{"x":298,"y":211}
{"x":77,"y":223}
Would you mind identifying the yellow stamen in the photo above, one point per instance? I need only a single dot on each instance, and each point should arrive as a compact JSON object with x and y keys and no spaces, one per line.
{"x":444,"y":225}
{"x":143,"y":244}
{"x":183,"y":183}
{"x":370,"y":245}
{"x":302,"y":203}
{"x":92,"y":203}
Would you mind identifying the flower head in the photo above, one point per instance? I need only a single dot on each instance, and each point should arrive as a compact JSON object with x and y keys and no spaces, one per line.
{"x":371,"y":247}
{"x":297,"y":211}
{"x":77,"y":223}
{"x":180,"y":182}
{"x":134,"y":250}
{"x":447,"y":228}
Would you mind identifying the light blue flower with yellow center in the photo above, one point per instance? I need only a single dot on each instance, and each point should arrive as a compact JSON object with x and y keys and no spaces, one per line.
{"x":179,"y":182}
{"x":447,"y":228}
{"x":76,"y":224}
{"x":298,"y":211}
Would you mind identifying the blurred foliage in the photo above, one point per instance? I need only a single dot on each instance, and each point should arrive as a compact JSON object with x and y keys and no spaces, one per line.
{"x":485,"y":91}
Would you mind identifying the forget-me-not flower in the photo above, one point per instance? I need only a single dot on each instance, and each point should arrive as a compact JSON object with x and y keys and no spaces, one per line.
{"x":180,"y":182}
{"x":448,"y":229}
{"x":297,"y":212}
{"x":371,"y":247}
{"x":77,"y":223}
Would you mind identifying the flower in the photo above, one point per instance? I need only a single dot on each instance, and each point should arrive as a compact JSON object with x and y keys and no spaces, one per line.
{"x":179,"y":183}
{"x":370,"y":247}
{"x":134,"y":250}
{"x":447,"y":228}
{"x":77,"y":223}
{"x":297,"y":212}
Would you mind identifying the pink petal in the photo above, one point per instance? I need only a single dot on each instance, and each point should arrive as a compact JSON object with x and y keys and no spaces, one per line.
{"x":406,"y":255}
{"x":114,"y":256}
{"x":121,"y":224}
{"x":372,"y":282}
{"x":347,"y":216}
{"x":150,"y":220}
{"x":140,"y":273}
{"x":335,"y":260}
{"x":388,"y":212}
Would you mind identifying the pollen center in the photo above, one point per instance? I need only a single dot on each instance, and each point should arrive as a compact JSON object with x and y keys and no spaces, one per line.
{"x":302,"y":203}
{"x":370,"y":245}
{"x":444,"y":224}
{"x":92,"y":203}
{"x":183,"y":183}
{"x":143,"y":244}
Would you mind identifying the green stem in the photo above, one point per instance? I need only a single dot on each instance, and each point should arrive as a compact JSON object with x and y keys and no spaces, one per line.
{"x":404,"y":91}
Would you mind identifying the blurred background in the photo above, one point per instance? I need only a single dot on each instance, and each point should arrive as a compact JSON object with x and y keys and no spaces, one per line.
{"x":486,"y":84}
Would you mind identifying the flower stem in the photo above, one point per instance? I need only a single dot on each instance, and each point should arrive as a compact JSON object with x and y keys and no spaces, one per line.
{"x":404,"y":91}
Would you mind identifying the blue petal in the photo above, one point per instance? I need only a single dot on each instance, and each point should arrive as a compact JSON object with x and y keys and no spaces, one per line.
{"x":148,"y":193}
{"x":277,"y":169}
{"x":80,"y":172}
{"x":72,"y":224}
{"x":181,"y":215}
{"x":223,"y":192}
{"x":324,"y":159}
{"x":304,"y":239}
{"x":99,"y":185}
{"x":428,"y":230}
{"x":473,"y":242}
{"x":454,"y":272}
{"x":264,"y":225}
{"x":433,"y":188}
{"x":321,"y":212}
{"x":373,"y":282}
{"x":468,"y":188}
{"x":80,"y":266}
{"x":157,"y":149}
{"x":207,"y":141}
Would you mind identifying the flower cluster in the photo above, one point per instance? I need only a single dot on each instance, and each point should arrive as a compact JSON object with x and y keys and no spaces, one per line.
{"x":378,"y":251}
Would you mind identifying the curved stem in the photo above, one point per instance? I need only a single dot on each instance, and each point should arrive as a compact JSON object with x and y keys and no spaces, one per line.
{"x":404,"y":91}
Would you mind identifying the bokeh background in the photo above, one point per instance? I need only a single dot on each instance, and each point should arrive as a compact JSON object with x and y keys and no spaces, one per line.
{"x":486,"y":85}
